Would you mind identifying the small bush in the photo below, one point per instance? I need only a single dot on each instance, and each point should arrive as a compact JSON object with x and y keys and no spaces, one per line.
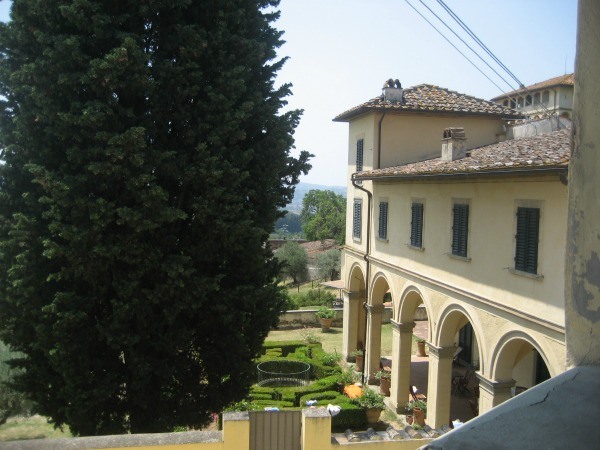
{"x":312,"y":297}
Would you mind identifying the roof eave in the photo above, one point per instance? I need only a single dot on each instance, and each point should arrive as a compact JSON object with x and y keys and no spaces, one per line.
{"x":347,"y":116}
{"x":525,"y":171}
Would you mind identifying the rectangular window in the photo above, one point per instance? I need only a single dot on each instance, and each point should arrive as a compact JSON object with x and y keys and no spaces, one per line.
{"x":460,"y":229}
{"x":528,"y":228}
{"x":383,"y":219}
{"x":357,"y":218}
{"x":416,"y":225}
{"x":359,"y":154}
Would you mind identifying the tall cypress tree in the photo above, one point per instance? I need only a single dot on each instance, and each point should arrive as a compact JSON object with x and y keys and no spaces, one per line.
{"x":145,"y":162}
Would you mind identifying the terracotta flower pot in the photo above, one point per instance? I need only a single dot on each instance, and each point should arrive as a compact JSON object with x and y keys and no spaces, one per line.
{"x":421,"y":348}
{"x":359,"y":363}
{"x":419,"y":416}
{"x":384,"y":386}
{"x":373,"y":415}
{"x":325,"y":324}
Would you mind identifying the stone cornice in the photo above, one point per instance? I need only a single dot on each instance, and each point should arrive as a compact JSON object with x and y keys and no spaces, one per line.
{"x":406,"y":327}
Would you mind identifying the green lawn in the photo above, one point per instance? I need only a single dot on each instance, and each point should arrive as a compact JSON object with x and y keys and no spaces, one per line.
{"x":331,"y":341}
{"x":33,"y":427}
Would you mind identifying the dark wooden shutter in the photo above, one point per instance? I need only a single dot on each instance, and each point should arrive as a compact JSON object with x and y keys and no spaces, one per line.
{"x":460,"y":229}
{"x":383,"y":219}
{"x":526,"y":252}
{"x":356,"y":224}
{"x":416,"y":225}
{"x":359,"y":155}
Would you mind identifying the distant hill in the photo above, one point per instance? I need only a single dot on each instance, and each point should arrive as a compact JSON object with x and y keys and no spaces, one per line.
{"x":303,"y":188}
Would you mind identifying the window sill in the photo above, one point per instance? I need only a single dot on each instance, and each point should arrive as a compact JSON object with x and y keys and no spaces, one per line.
{"x":356,"y":240}
{"x":418,"y":249}
{"x":459,"y":258}
{"x":533,"y":276}
{"x":384,"y":240}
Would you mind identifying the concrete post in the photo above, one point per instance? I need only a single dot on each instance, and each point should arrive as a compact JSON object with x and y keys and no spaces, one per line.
{"x":492,"y":393}
{"x":373,"y":357}
{"x":316,"y":429}
{"x":236,"y":430}
{"x":352,"y":304}
{"x":440,"y":380}
{"x":401,"y":352}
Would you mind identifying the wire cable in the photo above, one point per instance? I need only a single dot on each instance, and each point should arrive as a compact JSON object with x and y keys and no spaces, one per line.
{"x":467,"y":45}
{"x":455,"y":47}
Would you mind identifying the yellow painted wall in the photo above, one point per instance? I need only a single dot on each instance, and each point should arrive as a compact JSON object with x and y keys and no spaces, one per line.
{"x":410,"y":138}
{"x":491,"y":242}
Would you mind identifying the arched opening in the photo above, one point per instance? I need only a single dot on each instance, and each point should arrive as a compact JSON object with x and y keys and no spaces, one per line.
{"x":354,"y":314}
{"x":519,"y":359}
{"x":458,"y":338}
{"x":377,"y":355}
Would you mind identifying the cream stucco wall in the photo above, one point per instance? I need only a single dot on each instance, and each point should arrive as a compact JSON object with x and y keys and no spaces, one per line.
{"x":487,"y":272}
{"x":410,"y":138}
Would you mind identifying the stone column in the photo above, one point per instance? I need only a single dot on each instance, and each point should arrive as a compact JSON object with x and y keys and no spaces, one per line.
{"x":373,"y":347}
{"x":352,"y":303}
{"x":439,"y":385}
{"x":401,"y":351}
{"x":492,"y":393}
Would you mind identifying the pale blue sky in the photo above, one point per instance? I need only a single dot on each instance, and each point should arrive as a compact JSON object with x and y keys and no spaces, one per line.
{"x":341,"y":52}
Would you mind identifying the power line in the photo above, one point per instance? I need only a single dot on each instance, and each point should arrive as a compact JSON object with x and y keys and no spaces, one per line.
{"x":455,"y":47}
{"x":467,"y":45}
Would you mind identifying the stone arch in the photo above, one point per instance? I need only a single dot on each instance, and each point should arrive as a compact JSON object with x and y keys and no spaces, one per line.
{"x":510,"y":349}
{"x":356,"y":278}
{"x":451,"y":320}
{"x":411,"y":298}
{"x":379,"y":287}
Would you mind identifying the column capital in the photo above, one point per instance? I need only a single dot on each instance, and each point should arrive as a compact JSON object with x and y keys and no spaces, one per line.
{"x":494,"y":387}
{"x":441,"y":352}
{"x":375,"y":309}
{"x":403,"y":327}
{"x":355,"y":295}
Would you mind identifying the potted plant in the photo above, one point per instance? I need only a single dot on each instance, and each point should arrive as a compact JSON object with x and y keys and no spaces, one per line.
{"x":418,"y":409}
{"x":421,"y":347}
{"x":358,"y":354}
{"x":385,"y":381}
{"x":345,"y":378}
{"x":372,"y":403}
{"x":326,"y":317}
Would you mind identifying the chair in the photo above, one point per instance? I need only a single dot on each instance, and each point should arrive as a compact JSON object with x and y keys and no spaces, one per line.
{"x":460,"y":383}
{"x":415,"y":396}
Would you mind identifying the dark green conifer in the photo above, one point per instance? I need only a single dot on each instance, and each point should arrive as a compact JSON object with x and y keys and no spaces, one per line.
{"x":145,"y":162}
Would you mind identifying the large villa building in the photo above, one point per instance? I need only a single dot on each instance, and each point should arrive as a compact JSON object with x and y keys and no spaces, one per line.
{"x":447,"y":212}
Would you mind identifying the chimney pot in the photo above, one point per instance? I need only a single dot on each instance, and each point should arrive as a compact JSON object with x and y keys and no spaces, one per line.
{"x":454,"y":144}
{"x":392,"y":91}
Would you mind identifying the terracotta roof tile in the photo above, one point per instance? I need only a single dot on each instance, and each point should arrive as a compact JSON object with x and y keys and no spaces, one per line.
{"x":563,"y":80}
{"x":429,"y":98}
{"x":551,"y":150}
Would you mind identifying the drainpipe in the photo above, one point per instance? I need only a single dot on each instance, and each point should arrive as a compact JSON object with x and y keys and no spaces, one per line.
{"x":379,"y":141}
{"x":366,"y":258}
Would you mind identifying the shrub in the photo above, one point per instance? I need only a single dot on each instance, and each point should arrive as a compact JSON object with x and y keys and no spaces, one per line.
{"x":351,"y":416}
{"x":325,"y":313}
{"x":322,"y":397}
{"x":369,"y":399}
{"x":313,"y":297}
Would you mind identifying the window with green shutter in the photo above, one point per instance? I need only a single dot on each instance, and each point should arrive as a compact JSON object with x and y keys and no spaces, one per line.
{"x":460,"y":229}
{"x":359,"y":154}
{"x":356,"y":223}
{"x":383,"y":219}
{"x":528,"y":228}
{"x":416,"y":225}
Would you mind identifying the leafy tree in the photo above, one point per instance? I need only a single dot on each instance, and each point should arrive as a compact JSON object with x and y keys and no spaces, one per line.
{"x":146,"y":161}
{"x":329,"y":265}
{"x":324,"y":216}
{"x":294,"y":261}
{"x":291,"y":221}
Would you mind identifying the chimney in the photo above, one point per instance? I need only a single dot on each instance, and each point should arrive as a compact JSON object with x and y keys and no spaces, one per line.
{"x":454,"y":144}
{"x":392,"y":91}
